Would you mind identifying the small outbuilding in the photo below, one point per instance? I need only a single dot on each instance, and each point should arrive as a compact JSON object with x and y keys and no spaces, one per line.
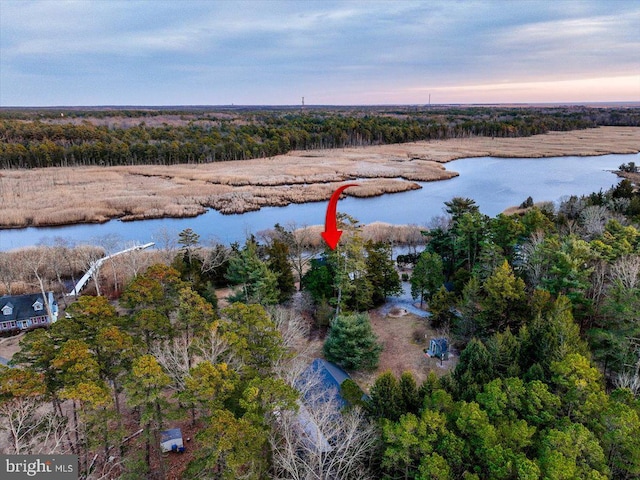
{"x":438,"y":348}
{"x":171,"y":441}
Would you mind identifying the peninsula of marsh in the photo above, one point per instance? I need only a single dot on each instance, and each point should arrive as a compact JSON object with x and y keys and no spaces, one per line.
{"x":65,"y":195}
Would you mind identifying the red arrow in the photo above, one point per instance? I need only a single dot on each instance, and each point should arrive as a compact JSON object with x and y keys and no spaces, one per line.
{"x":331,"y":233}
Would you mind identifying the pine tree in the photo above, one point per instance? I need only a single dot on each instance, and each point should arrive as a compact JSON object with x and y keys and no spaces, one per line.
{"x":351,"y":343}
{"x":381,"y":272}
{"x":258,"y":284}
{"x":427,"y":276}
{"x":279,"y":264}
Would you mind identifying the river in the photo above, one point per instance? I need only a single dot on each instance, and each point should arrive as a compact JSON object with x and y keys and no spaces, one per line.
{"x":494,"y":183}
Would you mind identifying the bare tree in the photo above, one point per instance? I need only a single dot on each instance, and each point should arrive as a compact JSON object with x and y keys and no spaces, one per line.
{"x":111,"y":243}
{"x":629,"y":380}
{"x":36,"y":262}
{"x":302,"y":247}
{"x":319,"y":441}
{"x":89,"y":257}
{"x":414,"y":238}
{"x":60,"y":261}
{"x":594,"y":219}
{"x":626,"y":270}
{"x":8,"y":274}
{"x":33,"y":426}
{"x":214,"y":255}
{"x":166,"y":241}
{"x":211,"y":347}
{"x":598,"y":285}
{"x":134,"y":261}
{"x":174,"y":356}
{"x":570,"y":227}
{"x":292,"y":327}
{"x":531,"y":259}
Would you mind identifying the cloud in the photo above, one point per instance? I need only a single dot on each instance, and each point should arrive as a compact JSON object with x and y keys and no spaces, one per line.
{"x":168,"y":52}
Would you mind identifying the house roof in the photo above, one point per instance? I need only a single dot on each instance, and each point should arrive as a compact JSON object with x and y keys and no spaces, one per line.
{"x":332,"y":375}
{"x":22,"y":306}
{"x":330,"y":378}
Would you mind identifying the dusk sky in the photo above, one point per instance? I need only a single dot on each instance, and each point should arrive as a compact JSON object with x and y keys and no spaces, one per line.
{"x":261,"y":52}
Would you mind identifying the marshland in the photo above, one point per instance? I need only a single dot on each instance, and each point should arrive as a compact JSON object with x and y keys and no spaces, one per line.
{"x":89,"y":166}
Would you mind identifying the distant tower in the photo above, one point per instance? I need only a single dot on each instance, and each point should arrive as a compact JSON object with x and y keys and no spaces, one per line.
{"x":302,"y":102}
{"x":429,"y":100}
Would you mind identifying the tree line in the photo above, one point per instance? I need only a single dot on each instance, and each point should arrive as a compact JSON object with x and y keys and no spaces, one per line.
{"x":31,"y":139}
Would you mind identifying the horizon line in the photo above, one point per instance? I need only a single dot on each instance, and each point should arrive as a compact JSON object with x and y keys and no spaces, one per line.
{"x":633,"y":103}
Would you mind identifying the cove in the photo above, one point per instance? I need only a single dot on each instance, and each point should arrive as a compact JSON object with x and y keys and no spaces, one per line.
{"x":494,"y":183}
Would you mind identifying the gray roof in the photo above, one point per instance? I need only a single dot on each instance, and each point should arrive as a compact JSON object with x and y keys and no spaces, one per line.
{"x":22,"y":306}
{"x":331,"y":377}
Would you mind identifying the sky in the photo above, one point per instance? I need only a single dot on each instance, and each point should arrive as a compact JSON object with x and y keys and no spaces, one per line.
{"x":263,"y":52}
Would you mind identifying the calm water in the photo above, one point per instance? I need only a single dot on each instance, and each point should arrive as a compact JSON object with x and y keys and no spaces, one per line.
{"x":494,"y":183}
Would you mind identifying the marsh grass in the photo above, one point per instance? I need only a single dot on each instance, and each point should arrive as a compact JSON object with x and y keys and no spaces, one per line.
{"x":67,"y":195}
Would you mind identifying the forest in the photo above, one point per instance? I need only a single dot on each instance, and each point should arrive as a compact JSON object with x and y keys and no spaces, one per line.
{"x":542,"y":306}
{"x":34,"y":138}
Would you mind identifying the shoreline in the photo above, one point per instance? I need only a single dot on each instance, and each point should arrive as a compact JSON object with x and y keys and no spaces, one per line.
{"x":58,"y":196}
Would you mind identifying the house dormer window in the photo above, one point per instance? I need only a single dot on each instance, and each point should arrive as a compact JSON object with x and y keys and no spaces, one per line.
{"x":7,"y":309}
{"x":37,"y":305}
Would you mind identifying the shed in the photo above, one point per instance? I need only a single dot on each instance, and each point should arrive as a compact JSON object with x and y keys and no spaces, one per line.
{"x":439,"y":348}
{"x":171,"y":441}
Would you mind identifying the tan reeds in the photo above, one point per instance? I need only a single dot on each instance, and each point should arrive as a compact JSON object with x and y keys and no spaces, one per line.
{"x":60,"y":195}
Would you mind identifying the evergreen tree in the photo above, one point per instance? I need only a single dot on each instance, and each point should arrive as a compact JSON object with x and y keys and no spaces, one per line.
{"x":278,"y":263}
{"x":351,"y":343}
{"x":504,"y":299}
{"x":258,"y":284}
{"x":318,"y":280}
{"x":381,"y":272}
{"x":385,"y":398}
{"x":427,"y":276}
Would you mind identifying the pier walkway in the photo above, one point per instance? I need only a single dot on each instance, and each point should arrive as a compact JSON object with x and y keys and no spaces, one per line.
{"x":98,"y":263}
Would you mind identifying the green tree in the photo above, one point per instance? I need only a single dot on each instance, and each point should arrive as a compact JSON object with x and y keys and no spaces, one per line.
{"x":209,"y":386}
{"x":441,"y":307}
{"x":252,"y":336}
{"x":575,"y":382}
{"x":385,"y":398}
{"x":189,"y":241}
{"x":427,"y":276}
{"x":381,"y":272}
{"x":572,"y":452}
{"x":258,"y":284}
{"x":474,"y":369}
{"x":467,"y":324}
{"x":115,"y":351}
{"x":318,"y":280}
{"x":506,"y":232}
{"x":156,"y":288}
{"x":551,"y":337}
{"x":353,"y":290}
{"x":351,"y":343}
{"x":470,"y":229}
{"x":458,"y":206}
{"x":145,"y":387}
{"x":232,"y":448}
{"x":504,"y":298}
{"x":409,"y":396}
{"x":194,"y":313}
{"x":278,"y":263}
{"x":88,"y":315}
